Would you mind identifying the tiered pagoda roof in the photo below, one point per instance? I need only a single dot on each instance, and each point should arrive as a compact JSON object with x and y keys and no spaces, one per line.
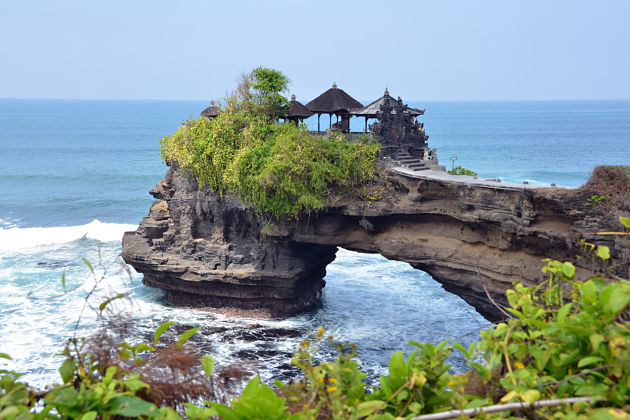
{"x":372,"y":110}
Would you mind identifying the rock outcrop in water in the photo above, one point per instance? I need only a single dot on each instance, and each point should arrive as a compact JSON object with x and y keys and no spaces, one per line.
{"x":475,"y":237}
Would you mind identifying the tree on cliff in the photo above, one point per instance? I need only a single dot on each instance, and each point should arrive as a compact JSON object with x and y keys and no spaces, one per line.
{"x":261,"y":92}
{"x":268,"y":86}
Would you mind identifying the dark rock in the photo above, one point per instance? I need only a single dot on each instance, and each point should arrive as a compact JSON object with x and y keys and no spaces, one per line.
{"x":213,"y":251}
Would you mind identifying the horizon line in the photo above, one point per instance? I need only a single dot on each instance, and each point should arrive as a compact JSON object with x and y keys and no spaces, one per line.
{"x":414,"y":100}
{"x":407,"y":100}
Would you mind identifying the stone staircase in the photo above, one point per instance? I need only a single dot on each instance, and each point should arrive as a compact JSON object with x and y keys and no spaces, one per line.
{"x":410,"y":162}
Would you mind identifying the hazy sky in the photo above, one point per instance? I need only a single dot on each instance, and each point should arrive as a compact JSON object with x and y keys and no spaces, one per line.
{"x":421,"y":50}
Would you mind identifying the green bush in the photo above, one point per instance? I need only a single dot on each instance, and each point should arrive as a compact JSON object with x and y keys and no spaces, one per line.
{"x":459,"y":170}
{"x":276,"y":168}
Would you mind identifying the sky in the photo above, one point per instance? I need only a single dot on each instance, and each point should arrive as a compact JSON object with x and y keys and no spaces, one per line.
{"x":420,"y":50}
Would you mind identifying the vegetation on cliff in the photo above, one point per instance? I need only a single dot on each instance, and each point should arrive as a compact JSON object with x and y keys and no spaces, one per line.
{"x":562,"y":352}
{"x":460,"y":170}
{"x":276,"y":168}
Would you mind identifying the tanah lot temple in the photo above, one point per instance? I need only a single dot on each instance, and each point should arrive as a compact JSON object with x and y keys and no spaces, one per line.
{"x":402,"y":137}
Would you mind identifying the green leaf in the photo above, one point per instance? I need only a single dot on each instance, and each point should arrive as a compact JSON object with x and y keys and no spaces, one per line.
{"x":62,"y":397}
{"x":397,"y":370}
{"x":512,"y":297}
{"x":564,"y":311}
{"x":143,"y":347}
{"x":161,"y":330}
{"x":568,"y":270}
{"x":135,"y":385}
{"x":110,"y":300}
{"x":199,"y":413}
{"x":608,"y":413}
{"x":625,"y":221}
{"x":90,"y":415}
{"x":614,"y":298}
{"x":63,"y":281}
{"x":568,"y":358}
{"x":5,"y":356}
{"x":225,"y":412}
{"x":596,"y":340}
{"x":208,"y":364}
{"x":530,"y":396}
{"x":89,"y":265}
{"x":589,"y":361}
{"x":124,"y":354}
{"x":462,"y":349}
{"x":481,"y":370}
{"x":368,"y":407}
{"x":478,"y":403}
{"x":66,"y":370}
{"x":128,"y":406}
{"x":603,"y":252}
{"x":588,"y":290}
{"x":186,"y":336}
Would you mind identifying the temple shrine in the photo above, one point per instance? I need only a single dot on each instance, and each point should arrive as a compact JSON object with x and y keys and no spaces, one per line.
{"x":403,"y":139}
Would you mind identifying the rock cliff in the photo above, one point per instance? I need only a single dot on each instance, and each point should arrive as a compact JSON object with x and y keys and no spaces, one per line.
{"x":475,"y":237}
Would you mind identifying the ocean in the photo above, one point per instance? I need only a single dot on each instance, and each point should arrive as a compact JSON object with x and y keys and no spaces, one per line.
{"x":75,"y":175}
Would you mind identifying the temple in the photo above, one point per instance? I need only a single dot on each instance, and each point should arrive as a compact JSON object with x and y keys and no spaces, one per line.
{"x":403,"y":139}
{"x":334,"y":102}
{"x":297,"y":112}
{"x":211,"y":112}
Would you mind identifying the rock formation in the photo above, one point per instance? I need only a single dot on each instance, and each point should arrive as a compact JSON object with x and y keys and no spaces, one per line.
{"x":474,"y":237}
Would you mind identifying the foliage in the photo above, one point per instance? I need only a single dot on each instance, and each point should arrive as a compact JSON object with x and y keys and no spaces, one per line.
{"x":268,"y":85}
{"x":277,"y":168}
{"x":459,"y":170}
{"x":597,"y":199}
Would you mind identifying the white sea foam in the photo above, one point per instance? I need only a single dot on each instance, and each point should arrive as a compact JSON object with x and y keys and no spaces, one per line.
{"x":8,"y":223}
{"x":23,"y":238}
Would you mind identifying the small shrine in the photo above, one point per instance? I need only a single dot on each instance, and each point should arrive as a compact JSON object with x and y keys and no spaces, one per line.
{"x":211,"y":112}
{"x":297,"y":112}
{"x":397,"y":127}
{"x":334,"y":102}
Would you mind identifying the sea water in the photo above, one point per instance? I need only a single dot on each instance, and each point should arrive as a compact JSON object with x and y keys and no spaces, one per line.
{"x":75,"y":175}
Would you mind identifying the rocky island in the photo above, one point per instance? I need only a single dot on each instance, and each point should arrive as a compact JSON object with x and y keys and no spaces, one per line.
{"x":475,"y":237}
{"x":220,"y":237}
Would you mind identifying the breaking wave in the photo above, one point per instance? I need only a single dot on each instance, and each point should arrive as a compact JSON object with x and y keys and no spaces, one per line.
{"x":15,"y":238}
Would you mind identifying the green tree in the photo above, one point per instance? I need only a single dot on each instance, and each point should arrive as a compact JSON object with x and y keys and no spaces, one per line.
{"x":268,"y":85}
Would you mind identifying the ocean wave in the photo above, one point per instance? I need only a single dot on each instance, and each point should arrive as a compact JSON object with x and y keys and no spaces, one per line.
{"x":20,"y":238}
{"x":8,"y":223}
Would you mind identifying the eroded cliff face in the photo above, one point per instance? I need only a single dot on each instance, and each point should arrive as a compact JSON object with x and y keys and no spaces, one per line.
{"x":474,"y":238}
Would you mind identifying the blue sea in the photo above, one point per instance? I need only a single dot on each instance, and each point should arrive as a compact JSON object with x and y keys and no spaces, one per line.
{"x":75,"y":175}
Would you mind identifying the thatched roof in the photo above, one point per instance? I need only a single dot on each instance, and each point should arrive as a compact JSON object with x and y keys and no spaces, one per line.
{"x":333,"y":101}
{"x":297,"y":110}
{"x":372,"y":110}
{"x":211,"y":112}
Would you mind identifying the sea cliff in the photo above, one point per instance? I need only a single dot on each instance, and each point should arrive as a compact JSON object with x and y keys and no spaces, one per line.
{"x":475,"y":237}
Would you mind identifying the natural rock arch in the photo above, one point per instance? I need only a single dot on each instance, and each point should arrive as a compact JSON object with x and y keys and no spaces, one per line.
{"x":474,"y":237}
